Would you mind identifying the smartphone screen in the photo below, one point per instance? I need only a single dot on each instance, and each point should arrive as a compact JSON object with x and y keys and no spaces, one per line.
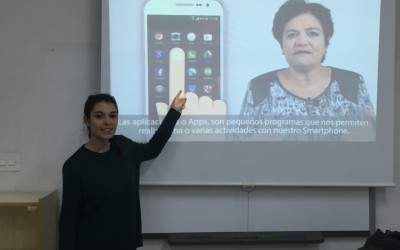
{"x":183,"y":53}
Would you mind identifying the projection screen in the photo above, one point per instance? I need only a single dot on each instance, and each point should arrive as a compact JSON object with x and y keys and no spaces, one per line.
{"x":243,"y":125}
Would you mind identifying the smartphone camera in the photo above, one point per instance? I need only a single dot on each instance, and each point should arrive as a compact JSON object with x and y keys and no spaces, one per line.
{"x":175,"y":36}
{"x":207,"y":4}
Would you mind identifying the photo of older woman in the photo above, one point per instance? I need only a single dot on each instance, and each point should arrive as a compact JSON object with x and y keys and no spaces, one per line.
{"x":306,"y":88}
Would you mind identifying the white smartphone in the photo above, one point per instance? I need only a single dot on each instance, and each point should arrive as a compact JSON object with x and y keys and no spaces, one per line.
{"x":183,"y":49}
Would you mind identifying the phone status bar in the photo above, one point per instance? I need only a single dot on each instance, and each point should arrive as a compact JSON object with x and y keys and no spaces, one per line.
{"x":205,"y":18}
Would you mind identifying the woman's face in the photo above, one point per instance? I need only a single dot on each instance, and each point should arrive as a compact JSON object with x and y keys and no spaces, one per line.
{"x":303,"y":42}
{"x":103,"y":121}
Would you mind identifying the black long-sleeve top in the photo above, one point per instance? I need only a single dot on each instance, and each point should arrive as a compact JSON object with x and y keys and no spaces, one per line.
{"x":100,"y":202}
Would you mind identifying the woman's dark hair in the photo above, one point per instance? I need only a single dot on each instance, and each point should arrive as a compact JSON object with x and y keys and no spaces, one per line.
{"x":91,"y":101}
{"x":293,"y":8}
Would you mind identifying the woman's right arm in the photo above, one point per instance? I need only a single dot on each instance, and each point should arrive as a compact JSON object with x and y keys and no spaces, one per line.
{"x":247,"y":109}
{"x":71,"y":200}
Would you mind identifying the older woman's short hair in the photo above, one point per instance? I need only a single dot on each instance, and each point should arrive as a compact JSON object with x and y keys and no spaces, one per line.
{"x":293,"y":8}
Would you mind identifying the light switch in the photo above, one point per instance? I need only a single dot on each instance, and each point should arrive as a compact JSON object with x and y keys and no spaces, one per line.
{"x":10,"y":162}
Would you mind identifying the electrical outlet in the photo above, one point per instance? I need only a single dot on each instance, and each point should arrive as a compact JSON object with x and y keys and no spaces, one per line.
{"x":10,"y":162}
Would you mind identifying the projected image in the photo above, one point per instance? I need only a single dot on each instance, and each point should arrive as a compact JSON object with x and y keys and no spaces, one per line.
{"x":183,"y":53}
{"x":251,"y":70}
{"x":307,"y":100}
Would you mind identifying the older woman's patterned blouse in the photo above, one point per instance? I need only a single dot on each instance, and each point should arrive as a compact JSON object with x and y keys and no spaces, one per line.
{"x":346,"y":97}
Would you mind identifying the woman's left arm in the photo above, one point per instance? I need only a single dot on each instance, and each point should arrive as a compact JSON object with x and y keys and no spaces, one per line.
{"x":154,"y":147}
{"x":364,"y":101}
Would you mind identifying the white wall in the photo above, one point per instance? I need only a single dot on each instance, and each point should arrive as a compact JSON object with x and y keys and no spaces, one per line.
{"x":49,"y":63}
